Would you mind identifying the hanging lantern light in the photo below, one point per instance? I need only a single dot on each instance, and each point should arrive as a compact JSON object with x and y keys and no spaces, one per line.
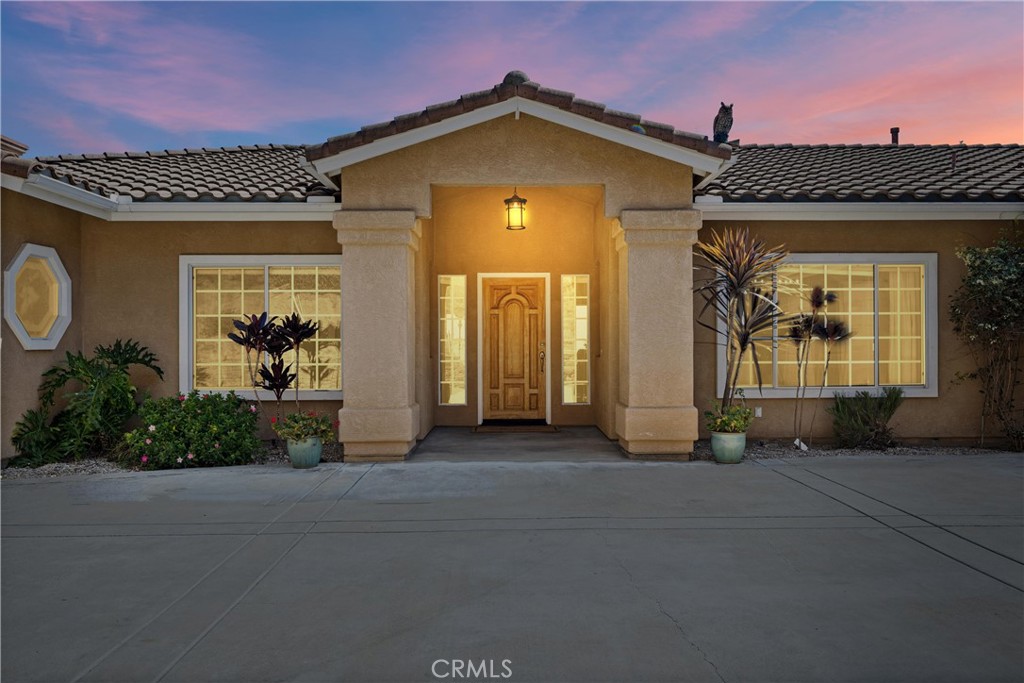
{"x":515,"y":211}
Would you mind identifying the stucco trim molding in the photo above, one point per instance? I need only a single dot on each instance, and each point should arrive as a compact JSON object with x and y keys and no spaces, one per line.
{"x":378,"y":228}
{"x":640,"y":227}
{"x":701,"y":163}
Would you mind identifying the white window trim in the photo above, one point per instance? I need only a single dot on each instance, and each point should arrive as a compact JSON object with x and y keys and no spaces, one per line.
{"x":186,"y":263}
{"x":60,"y":325}
{"x":590,"y":360}
{"x":465,"y":360}
{"x":931,"y":329}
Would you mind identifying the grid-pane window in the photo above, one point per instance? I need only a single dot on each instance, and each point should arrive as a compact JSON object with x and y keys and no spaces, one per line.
{"x":451,"y":291}
{"x":575,"y":339}
{"x":314,"y":292}
{"x":221,"y":295}
{"x":883,"y":303}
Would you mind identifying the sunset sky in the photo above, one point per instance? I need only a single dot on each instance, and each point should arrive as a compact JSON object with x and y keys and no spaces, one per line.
{"x":89,"y":77}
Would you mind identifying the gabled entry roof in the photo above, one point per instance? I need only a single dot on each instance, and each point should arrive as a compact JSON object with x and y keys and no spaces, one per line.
{"x":514,"y":95}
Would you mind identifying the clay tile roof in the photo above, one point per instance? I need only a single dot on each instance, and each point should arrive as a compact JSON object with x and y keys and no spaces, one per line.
{"x":269,"y":173}
{"x":515,"y":84}
{"x":872,"y":173}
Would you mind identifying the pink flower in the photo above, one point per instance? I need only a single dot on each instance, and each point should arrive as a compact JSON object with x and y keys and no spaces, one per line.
{"x":180,"y":460}
{"x":152,"y":428}
{"x":216,"y":445}
{"x":273,"y":420}
{"x":149,"y":441}
{"x":190,"y":456}
{"x":252,"y":409}
{"x":145,"y":459}
{"x":180,"y":397}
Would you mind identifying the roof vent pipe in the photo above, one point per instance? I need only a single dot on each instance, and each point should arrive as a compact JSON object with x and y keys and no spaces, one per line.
{"x":895,"y":132}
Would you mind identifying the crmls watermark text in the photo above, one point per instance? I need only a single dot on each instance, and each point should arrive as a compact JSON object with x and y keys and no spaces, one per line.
{"x":467,"y":668}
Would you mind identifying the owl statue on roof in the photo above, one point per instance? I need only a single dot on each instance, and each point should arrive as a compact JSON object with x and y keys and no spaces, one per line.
{"x":723,"y":123}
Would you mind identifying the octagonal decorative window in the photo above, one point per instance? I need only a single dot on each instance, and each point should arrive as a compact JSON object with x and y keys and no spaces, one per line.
{"x":37,"y":297}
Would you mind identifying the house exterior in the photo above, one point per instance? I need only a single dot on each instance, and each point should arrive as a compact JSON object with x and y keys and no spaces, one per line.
{"x":432,"y":312}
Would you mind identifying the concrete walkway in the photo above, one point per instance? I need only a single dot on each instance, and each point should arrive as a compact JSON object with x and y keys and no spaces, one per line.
{"x":820,"y":569}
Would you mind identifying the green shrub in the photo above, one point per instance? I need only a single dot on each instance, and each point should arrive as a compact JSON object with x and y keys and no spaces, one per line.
{"x":102,"y":399}
{"x":862,"y":420}
{"x":198,"y":430}
{"x":302,"y":426}
{"x":733,"y":420}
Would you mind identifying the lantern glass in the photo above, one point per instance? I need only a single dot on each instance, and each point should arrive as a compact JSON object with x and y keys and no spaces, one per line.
{"x":515,"y":210}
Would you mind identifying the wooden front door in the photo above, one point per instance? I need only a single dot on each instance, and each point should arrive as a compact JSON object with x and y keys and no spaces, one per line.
{"x":514,"y":353}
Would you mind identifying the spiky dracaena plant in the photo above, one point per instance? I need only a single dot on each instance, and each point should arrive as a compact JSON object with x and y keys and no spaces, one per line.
{"x":293,"y":330}
{"x":801,"y":333}
{"x":735,"y":270}
{"x":257,"y":331}
{"x":831,"y":333}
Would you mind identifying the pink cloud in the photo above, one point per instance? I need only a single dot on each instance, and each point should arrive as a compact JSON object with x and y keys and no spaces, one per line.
{"x":177,"y":76}
{"x":72,"y":131}
{"x":870,"y":71}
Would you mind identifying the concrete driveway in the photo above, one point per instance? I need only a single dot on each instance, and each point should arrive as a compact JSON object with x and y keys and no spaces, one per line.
{"x":816,"y":569}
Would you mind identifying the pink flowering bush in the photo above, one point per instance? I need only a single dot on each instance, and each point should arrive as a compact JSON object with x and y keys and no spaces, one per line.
{"x":198,"y":430}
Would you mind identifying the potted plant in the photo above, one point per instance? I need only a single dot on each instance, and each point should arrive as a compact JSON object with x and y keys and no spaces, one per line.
{"x":305,"y":434}
{"x":728,"y":428}
{"x":736,"y":287}
{"x":262,"y":335}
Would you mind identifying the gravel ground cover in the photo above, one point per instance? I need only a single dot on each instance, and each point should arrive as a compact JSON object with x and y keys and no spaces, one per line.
{"x":274,"y":453}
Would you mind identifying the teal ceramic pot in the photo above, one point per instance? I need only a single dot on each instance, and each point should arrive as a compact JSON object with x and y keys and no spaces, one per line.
{"x":305,"y":453}
{"x":728,"y":448}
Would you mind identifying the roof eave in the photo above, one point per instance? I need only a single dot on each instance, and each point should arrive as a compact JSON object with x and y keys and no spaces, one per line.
{"x":858,"y":211}
{"x":701,"y":163}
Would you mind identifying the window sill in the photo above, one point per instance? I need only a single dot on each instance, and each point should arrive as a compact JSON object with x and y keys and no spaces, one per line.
{"x":267,"y":397}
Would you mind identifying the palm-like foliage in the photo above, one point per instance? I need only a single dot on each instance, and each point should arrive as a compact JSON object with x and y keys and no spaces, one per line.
{"x":293,"y":330}
{"x":801,"y":333}
{"x":266,"y":342}
{"x":101,"y":399}
{"x":256,"y":333}
{"x":736,"y":269}
{"x":831,"y":332}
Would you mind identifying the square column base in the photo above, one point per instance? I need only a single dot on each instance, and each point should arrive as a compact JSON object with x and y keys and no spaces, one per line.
{"x":378,"y":434}
{"x":657,"y":433}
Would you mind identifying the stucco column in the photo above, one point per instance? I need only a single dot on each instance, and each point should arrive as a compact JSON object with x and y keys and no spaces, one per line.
{"x":380,"y":417}
{"x":655,"y":415}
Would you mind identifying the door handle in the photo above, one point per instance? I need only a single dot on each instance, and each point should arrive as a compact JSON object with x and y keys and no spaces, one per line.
{"x":542,"y":357}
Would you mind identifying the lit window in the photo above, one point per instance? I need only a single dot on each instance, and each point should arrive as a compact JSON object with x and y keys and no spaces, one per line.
{"x":451,"y":293}
{"x":223,"y":289}
{"x":575,"y":339}
{"x":887,"y":301}
{"x":37,"y":297}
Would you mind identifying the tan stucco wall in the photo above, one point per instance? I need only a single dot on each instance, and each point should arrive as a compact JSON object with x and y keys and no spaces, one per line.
{"x":505,"y":152}
{"x":26,"y":219}
{"x":606,"y":313}
{"x":955,"y":413}
{"x":459,"y":181}
{"x":470,"y":238}
{"x":130,"y":285}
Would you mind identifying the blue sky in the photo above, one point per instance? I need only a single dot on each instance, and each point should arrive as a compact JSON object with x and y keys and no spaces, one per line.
{"x":86,"y":77}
